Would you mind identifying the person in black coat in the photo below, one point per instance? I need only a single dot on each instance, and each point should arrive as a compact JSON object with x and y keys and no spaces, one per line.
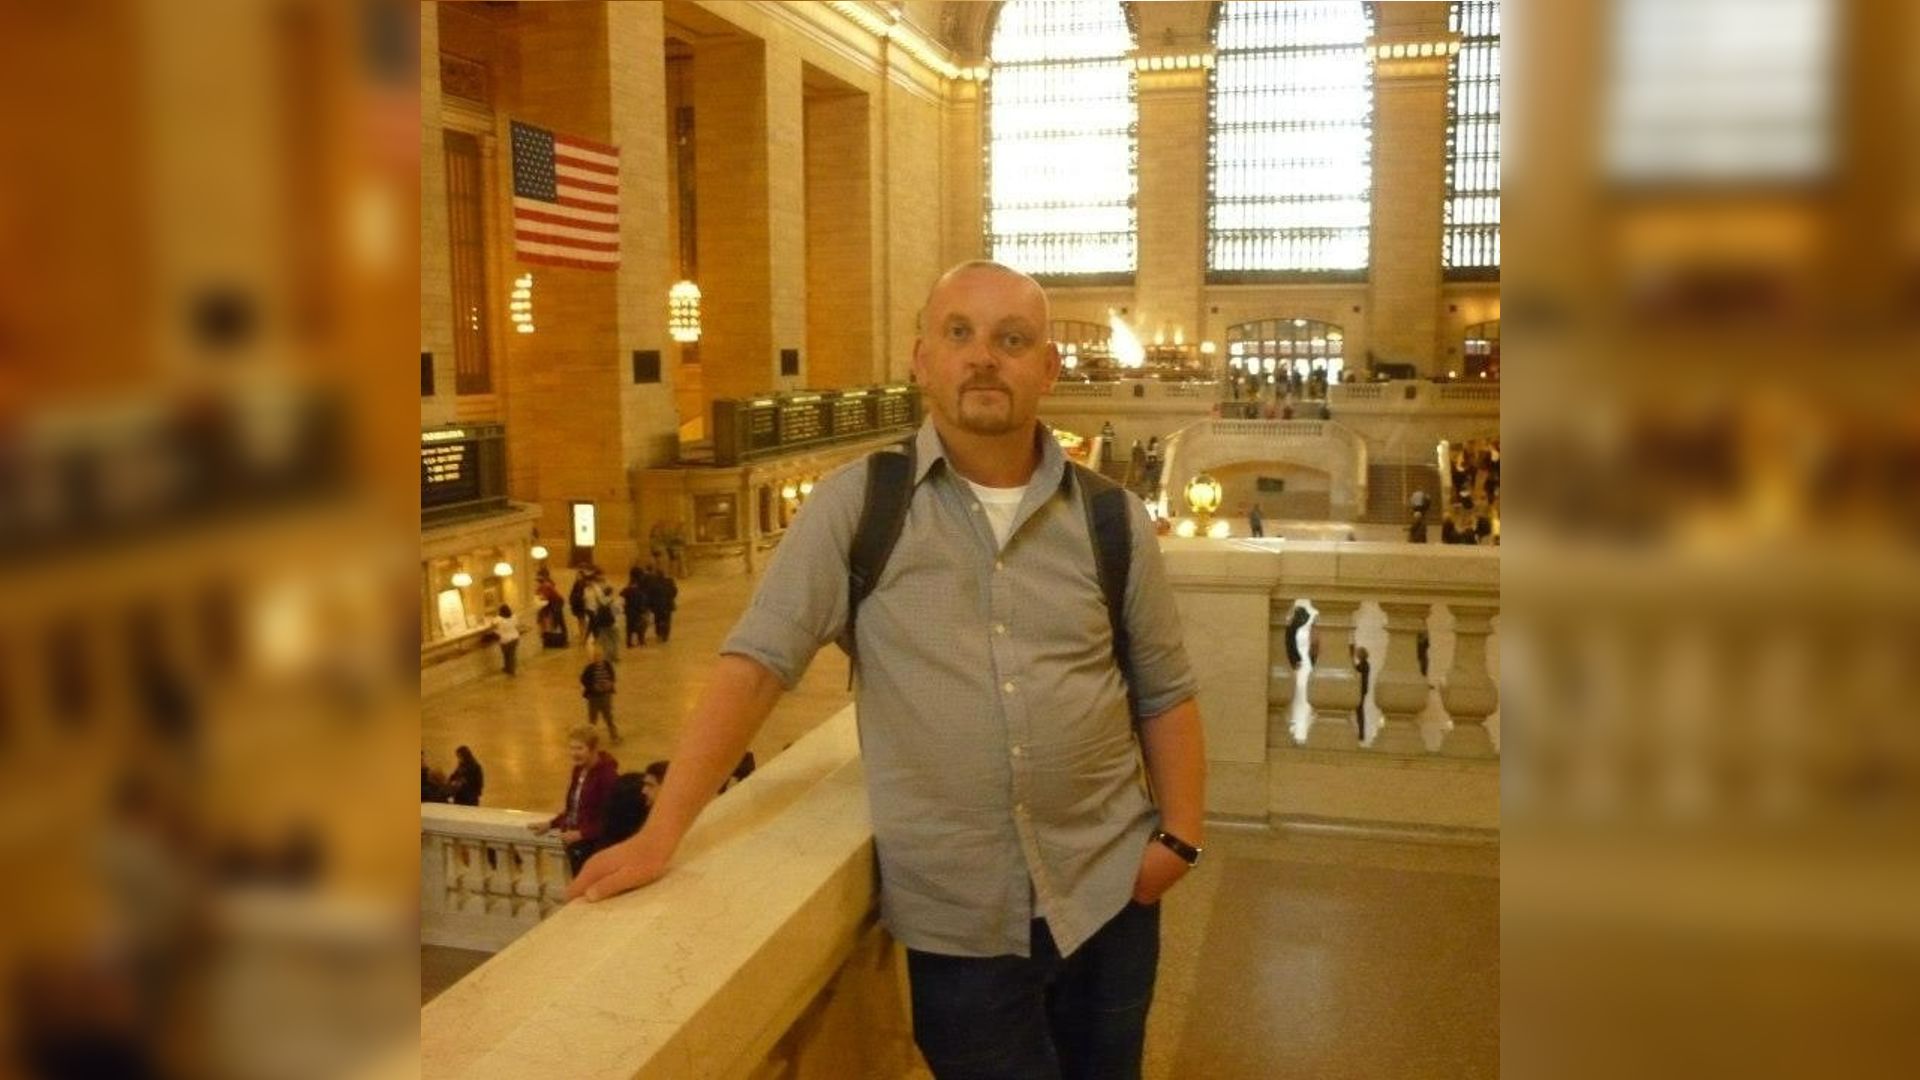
{"x":633,"y":603}
{"x":662,"y":598}
{"x":467,"y":779}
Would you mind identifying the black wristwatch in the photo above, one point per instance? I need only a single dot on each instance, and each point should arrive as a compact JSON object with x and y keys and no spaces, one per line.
{"x":1187,"y":852}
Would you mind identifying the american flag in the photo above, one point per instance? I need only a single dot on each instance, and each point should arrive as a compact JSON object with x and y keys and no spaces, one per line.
{"x":566,"y":200}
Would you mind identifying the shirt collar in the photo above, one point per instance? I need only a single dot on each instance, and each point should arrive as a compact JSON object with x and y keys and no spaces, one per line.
{"x":1050,"y":473}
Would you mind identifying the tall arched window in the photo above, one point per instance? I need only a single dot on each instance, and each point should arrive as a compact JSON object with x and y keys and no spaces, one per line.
{"x":1472,"y":246}
{"x":1061,"y":122}
{"x":1292,"y":144}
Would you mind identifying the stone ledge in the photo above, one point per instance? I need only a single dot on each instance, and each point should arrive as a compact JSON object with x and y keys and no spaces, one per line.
{"x":711,"y":965}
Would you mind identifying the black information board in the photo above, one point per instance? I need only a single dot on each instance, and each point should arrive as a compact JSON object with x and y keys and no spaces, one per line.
{"x":447,"y":473}
{"x":759,"y":427}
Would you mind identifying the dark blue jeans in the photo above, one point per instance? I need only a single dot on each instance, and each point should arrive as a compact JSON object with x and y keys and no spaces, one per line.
{"x":1040,"y":1017}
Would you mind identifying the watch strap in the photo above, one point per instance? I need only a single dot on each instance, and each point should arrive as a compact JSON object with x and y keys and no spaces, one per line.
{"x":1187,"y":852}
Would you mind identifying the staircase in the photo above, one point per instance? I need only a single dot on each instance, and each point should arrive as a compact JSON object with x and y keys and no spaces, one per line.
{"x":1389,"y":487}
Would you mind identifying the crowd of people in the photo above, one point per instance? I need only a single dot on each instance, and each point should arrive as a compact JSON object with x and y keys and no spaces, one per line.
{"x":1473,"y":499}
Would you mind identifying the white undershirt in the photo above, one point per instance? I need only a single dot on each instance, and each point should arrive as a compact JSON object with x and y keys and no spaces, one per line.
{"x":1001,"y":504}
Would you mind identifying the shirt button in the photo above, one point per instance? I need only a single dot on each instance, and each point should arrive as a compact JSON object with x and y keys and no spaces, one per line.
{"x":1019,"y":751}
{"x":1007,"y":686}
{"x":1020,"y":808}
{"x":978,"y":509}
{"x":999,"y":564}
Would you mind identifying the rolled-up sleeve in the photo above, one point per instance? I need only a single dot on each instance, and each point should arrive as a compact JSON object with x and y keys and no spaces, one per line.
{"x":801,"y":603}
{"x":1162,"y":677}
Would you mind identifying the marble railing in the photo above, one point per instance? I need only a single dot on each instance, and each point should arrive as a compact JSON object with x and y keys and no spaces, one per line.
{"x":1284,"y":742}
{"x":484,"y":878}
{"x":758,"y":954}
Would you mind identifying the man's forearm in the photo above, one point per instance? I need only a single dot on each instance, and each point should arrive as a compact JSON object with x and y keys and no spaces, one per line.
{"x":738,"y":697}
{"x":1175,"y":749}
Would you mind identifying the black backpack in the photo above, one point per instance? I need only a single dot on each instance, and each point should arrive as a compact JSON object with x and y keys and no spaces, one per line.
{"x":884,"y":513}
{"x":626,"y":807}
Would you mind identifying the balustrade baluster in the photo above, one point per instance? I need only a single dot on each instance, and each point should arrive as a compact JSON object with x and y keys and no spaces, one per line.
{"x":473,"y":877}
{"x":1470,"y":695}
{"x":1333,"y":688}
{"x":1398,"y":687}
{"x":1280,"y":676}
{"x":526,"y":883}
{"x":499,"y":865}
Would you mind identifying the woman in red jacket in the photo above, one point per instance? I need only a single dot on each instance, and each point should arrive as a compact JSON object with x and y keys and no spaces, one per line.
{"x":583,"y":822}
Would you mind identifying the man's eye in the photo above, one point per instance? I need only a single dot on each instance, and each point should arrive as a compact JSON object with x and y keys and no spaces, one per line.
{"x":1013,"y":342}
{"x":957,"y":333}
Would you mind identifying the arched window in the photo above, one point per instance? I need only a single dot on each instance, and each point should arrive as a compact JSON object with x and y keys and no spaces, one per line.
{"x":1061,"y":121}
{"x":1312,"y":351}
{"x":1472,"y":247}
{"x":1292,"y":140}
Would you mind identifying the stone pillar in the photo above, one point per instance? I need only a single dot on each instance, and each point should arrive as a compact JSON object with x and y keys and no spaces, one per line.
{"x":649,"y":416}
{"x":965,"y":200}
{"x":1409,"y":170}
{"x":1398,"y":686}
{"x":1334,"y":686}
{"x":436,"y":261}
{"x":562,"y":383}
{"x":733,"y":216}
{"x":1172,"y":202}
{"x":1470,"y":695}
{"x":839,"y":197}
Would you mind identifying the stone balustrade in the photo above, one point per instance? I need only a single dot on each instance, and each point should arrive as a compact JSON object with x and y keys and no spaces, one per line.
{"x":485,"y":879}
{"x":758,"y":954}
{"x":1283,"y":742}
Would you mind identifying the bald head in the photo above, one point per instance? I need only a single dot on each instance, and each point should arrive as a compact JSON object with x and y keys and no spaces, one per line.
{"x":953,"y":278}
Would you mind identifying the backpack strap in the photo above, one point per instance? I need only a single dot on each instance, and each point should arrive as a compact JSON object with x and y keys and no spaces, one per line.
{"x":883,"y":514}
{"x":1110,"y":528}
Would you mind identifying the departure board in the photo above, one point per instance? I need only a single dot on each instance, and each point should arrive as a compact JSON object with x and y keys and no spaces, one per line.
{"x":447,"y":474}
{"x":751,"y":428}
{"x":801,"y":422}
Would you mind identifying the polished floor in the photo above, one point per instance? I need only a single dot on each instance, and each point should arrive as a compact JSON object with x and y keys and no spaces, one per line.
{"x":1283,"y":955}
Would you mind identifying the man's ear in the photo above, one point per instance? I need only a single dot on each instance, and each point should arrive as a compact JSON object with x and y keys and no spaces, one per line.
{"x":1053,"y":362}
{"x":919,"y":376}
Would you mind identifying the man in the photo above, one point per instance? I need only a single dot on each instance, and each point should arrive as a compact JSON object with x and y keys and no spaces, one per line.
{"x":1256,"y":524}
{"x":1021,"y":861}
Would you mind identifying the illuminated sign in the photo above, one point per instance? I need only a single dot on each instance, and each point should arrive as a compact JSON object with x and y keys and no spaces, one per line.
{"x":583,"y":525}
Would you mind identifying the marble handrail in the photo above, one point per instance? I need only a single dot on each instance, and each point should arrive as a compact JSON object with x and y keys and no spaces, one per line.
{"x":700,"y":974}
{"x":1284,"y":744}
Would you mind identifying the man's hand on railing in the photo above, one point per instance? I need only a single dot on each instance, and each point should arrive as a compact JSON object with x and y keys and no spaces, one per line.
{"x":613,"y":870}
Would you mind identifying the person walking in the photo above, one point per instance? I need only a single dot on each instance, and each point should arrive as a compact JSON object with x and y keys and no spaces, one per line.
{"x":633,"y":603}
{"x":603,"y":607}
{"x":597,"y":686}
{"x":1022,"y":861}
{"x":577,"y":602}
{"x":507,"y":632}
{"x":1256,"y":524}
{"x":662,"y":598}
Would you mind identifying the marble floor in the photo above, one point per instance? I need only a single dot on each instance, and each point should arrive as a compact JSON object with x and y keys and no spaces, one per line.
{"x":518,"y":727}
{"x":1283,"y":955}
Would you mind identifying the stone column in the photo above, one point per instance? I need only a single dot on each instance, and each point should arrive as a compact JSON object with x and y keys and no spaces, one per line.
{"x":1398,"y":685}
{"x":1172,"y":200}
{"x":1470,"y":695}
{"x":1409,"y":169}
{"x":1334,"y":686}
